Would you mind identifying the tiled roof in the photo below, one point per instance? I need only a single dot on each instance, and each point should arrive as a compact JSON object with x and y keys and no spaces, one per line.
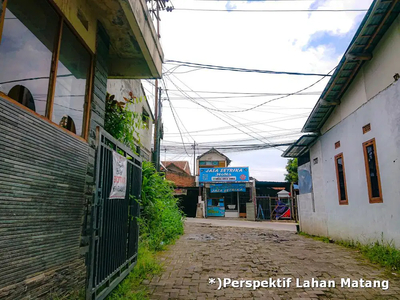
{"x":181,"y":164}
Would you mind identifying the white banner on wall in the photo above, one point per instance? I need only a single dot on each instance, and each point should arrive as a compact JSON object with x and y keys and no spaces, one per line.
{"x":120,"y":165}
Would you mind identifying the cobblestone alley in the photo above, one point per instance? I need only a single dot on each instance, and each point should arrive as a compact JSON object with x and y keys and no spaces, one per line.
{"x":207,"y":251}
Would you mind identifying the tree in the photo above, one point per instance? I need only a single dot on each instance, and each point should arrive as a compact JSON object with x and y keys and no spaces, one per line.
{"x":291,"y":168}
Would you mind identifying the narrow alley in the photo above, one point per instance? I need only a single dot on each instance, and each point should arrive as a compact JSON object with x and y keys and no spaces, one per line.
{"x":213,"y":251}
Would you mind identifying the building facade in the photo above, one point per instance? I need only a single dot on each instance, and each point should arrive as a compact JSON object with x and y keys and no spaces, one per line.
{"x":227,"y":196}
{"x":55,"y":59}
{"x":348,"y":164}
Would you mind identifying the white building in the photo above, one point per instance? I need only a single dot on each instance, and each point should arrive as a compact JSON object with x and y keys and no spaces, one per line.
{"x":121,"y":88}
{"x":349,"y":164}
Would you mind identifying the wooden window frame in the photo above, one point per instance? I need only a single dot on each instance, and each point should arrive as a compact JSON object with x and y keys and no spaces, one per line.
{"x":372,"y":199}
{"x":53,"y":75}
{"x":346,"y":201}
{"x":2,"y":16}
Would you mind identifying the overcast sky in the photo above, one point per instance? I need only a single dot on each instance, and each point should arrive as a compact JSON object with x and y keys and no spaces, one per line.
{"x":290,"y":41}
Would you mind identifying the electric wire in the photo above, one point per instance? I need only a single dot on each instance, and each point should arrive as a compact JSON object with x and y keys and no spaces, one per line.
{"x":223,"y":113}
{"x":271,"y":10}
{"x":177,"y":125}
{"x":235,"y":69}
{"x":261,"y":104}
{"x":172,"y":107}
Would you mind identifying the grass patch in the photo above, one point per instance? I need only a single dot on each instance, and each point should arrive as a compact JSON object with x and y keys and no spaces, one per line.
{"x":315,"y":237}
{"x":131,"y":287}
{"x":380,"y":252}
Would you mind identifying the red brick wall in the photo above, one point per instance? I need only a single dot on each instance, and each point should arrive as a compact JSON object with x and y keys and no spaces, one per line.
{"x":181,"y":179}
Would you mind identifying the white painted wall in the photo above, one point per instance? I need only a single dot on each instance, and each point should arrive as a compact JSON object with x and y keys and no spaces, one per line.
{"x":359,"y":220}
{"x":312,"y":215}
{"x":121,"y":88}
{"x":373,"y":77}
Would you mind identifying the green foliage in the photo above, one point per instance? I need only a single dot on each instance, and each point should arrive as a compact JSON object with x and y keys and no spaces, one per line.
{"x":131,"y":288}
{"x":291,"y":169}
{"x":161,"y":223}
{"x":161,"y":220}
{"x":379,"y":252}
{"x":317,"y":238}
{"x":123,"y":123}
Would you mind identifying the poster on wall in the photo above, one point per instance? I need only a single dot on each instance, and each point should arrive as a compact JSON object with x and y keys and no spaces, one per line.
{"x":305,"y":178}
{"x":120,"y":165}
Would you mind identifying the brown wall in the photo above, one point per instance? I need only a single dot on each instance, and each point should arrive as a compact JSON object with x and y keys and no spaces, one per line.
{"x":180,"y":179}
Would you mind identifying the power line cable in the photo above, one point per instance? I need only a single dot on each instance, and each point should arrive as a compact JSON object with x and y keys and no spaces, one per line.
{"x":254,"y":107}
{"x":271,"y":10}
{"x":183,"y":143}
{"x":258,"y":1}
{"x":250,"y":93}
{"x":172,"y":107}
{"x":252,"y":124}
{"x":214,"y":113}
{"x":251,"y":96}
{"x":235,"y":69}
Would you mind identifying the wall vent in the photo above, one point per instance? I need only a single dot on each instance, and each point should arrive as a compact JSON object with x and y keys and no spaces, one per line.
{"x":366,"y":128}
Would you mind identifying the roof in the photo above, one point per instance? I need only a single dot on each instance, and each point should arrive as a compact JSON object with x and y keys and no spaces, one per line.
{"x":377,"y":20}
{"x":183,"y":165}
{"x":213,"y":150}
{"x":301,"y":146}
{"x":272,"y":184}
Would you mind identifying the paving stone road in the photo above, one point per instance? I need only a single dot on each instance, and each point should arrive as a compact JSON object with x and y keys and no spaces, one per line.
{"x":206,"y":251}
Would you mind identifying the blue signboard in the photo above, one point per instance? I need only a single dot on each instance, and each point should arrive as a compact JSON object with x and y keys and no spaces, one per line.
{"x":215,"y":208}
{"x":228,"y":187}
{"x":240,"y":174}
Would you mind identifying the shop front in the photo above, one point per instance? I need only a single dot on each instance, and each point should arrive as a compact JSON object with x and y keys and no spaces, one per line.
{"x":226,"y":190}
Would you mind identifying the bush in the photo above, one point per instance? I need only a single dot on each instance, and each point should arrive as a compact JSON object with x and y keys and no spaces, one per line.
{"x":131,"y":288}
{"x":160,"y":223}
{"x":161,"y":220}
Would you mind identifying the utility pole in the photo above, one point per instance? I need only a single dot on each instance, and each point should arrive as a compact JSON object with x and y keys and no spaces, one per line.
{"x":156,"y":153}
{"x":155,"y":147}
{"x":194,"y":158}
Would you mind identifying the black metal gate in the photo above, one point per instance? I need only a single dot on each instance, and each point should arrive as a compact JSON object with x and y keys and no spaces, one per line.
{"x":114,"y":243}
{"x":266,"y":206}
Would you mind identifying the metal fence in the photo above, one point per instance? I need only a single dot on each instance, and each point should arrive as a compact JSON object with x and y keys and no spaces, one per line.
{"x":114,"y":243}
{"x":274,"y":208}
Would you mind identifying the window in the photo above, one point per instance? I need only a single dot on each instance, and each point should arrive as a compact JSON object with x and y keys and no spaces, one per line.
{"x":146,"y":118}
{"x":337,"y":144}
{"x":341,"y":179}
{"x":372,"y":172}
{"x":43,"y":65}
{"x":72,"y":77}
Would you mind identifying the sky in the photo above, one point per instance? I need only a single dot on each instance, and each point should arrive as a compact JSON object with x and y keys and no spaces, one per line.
{"x":304,"y":42}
